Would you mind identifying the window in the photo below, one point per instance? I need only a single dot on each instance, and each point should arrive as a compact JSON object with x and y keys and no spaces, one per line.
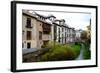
{"x":29,"y":35}
{"x":23,"y":32}
{"x":65,"y":36}
{"x":45,"y":43}
{"x":28,"y":23}
{"x":22,"y":45}
{"x":46,"y":32}
{"x":28,"y":45}
{"x":55,"y":32}
{"x":40,"y":35}
{"x":40,"y":24}
{"x":59,"y":35}
{"x":62,"y":38}
{"x":46,"y":28}
{"x":62,"y":29}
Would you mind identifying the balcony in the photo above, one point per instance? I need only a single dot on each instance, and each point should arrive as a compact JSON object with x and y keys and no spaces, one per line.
{"x":46,"y":37}
{"x":46,"y":27}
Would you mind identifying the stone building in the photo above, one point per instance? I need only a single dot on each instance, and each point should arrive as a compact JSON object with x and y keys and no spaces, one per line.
{"x":35,"y":31}
{"x":38,"y":29}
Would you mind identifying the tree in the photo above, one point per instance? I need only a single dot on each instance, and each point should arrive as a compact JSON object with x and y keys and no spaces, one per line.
{"x":84,"y":35}
{"x":89,"y":33}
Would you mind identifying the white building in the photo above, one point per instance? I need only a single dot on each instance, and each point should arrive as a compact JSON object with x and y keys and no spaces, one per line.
{"x":78,"y":35}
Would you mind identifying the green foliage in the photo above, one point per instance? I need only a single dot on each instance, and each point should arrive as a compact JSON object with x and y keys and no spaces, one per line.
{"x":76,"y":48}
{"x":60,"y":52}
{"x":84,"y":35}
{"x":54,"y":52}
{"x":86,"y":52}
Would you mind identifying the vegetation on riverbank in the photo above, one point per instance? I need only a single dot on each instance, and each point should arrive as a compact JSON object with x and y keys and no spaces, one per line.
{"x":86,"y":38}
{"x":58,"y":52}
{"x":55,"y":52}
{"x":86,"y":51}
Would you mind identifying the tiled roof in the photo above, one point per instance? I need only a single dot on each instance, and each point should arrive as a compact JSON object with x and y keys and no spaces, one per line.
{"x":35,"y":15}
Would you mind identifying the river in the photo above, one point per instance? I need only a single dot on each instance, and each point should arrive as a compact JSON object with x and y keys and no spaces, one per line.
{"x":80,"y":57}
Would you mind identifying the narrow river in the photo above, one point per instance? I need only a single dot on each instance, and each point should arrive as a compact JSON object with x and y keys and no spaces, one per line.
{"x":80,"y":57}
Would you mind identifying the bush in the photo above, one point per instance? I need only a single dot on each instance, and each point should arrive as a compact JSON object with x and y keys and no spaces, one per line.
{"x":86,"y":51}
{"x":87,"y":54}
{"x":77,"y":43}
{"x":54,"y":52}
{"x":59,"y":52}
{"x":76,"y":48}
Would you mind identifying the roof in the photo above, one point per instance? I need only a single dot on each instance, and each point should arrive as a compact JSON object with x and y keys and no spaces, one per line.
{"x":50,"y":16}
{"x":41,"y":15}
{"x":34,"y":16}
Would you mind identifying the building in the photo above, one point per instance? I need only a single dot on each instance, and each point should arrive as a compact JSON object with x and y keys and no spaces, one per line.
{"x":78,"y":35}
{"x":38,"y":29}
{"x":63,"y":33}
{"x":35,"y":31}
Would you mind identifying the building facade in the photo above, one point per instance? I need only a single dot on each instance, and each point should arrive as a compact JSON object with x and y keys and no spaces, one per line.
{"x":78,"y":35}
{"x":38,"y":30}
{"x":35,"y":31}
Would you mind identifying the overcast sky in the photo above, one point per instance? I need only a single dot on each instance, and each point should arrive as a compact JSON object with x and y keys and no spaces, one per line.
{"x":76,"y":20}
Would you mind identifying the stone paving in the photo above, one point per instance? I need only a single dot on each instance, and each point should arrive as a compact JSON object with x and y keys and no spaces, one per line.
{"x":30,"y":50}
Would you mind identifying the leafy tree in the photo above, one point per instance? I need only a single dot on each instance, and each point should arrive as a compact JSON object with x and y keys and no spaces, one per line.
{"x":84,"y":35}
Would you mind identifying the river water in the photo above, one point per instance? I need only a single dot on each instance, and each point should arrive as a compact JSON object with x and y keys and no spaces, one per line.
{"x":80,"y":57}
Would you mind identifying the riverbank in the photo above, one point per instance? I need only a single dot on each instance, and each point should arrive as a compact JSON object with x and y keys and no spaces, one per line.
{"x":55,"y":52}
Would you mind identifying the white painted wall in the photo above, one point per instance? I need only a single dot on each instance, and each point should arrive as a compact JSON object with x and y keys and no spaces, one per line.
{"x":5,"y":37}
{"x":78,"y":34}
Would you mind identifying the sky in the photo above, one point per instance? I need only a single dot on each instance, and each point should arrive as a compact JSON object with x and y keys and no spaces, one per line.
{"x":72,"y":19}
